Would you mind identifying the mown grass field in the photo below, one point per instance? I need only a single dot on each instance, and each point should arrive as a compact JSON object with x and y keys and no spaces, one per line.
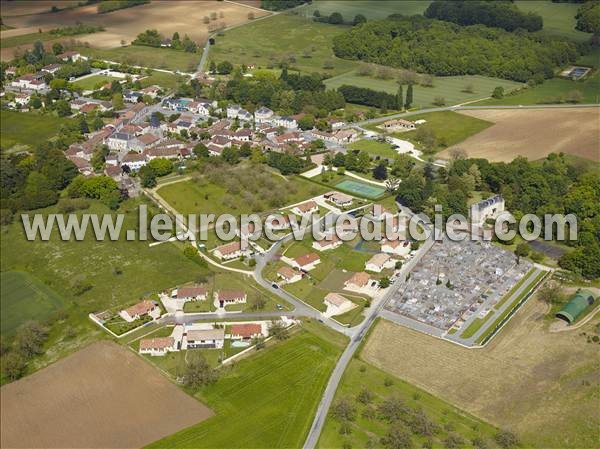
{"x":94,"y":82}
{"x":360,"y":375}
{"x":451,"y":88}
{"x":267,"y":400}
{"x":374,"y":148}
{"x":25,"y":298}
{"x":450,"y":128}
{"x":371,"y":9}
{"x":159,"y":58}
{"x":559,"y":18}
{"x":162,"y":79}
{"x":27,"y":128}
{"x":263,"y":44}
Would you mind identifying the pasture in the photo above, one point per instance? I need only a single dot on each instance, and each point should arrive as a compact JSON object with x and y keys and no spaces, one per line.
{"x":262,"y":44}
{"x":453,"y":89}
{"x":533,"y":133}
{"x":361,"y":376}
{"x":93,"y":82}
{"x":27,"y":128}
{"x":374,"y":148}
{"x":540,"y":385}
{"x":92,"y":390}
{"x":126,"y":24}
{"x":267,"y":400}
{"x":559,"y":18}
{"x":24,"y":298}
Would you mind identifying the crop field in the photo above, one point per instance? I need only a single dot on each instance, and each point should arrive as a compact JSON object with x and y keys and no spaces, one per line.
{"x":126,"y":24}
{"x":93,"y":82}
{"x":267,"y":400}
{"x":450,"y":88}
{"x":519,"y":132}
{"x":541,"y":385}
{"x":263,"y":44}
{"x":371,"y":9}
{"x":361,"y":376}
{"x":25,"y":298}
{"x":559,"y":18}
{"x":92,"y":391}
{"x":27,"y":128}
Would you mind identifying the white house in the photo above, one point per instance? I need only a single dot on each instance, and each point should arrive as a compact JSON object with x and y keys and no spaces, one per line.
{"x":228,"y":297}
{"x":32,"y":81}
{"x":398,"y":125}
{"x":359,"y":283}
{"x":157,"y":346}
{"x":286,"y":122}
{"x":233,"y":110}
{"x":339,"y":199}
{"x":204,"y":338}
{"x":22,"y":99}
{"x":307,"y":208}
{"x":51,"y":68}
{"x":139,"y":310}
{"x":396,"y":246}
{"x":71,"y":55}
{"x":379,"y":262}
{"x":327,"y":242}
{"x":337,"y":304}
{"x":306,"y":262}
{"x":277,"y":222}
{"x":195,"y":293}
{"x":263,"y":115}
{"x":134,"y":161}
{"x":120,"y":141}
{"x":289,"y":275}
{"x":230,"y":251}
{"x":486,"y":209}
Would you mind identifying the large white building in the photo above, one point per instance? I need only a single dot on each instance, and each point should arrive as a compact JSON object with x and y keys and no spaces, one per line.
{"x":486,"y":209}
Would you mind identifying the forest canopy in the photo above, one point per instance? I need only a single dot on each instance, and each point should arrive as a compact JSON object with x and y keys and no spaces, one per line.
{"x":498,"y":14}
{"x":443,"y":48}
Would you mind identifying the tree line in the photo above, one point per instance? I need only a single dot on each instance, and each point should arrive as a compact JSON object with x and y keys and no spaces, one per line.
{"x":497,"y":14}
{"x":588,"y":17}
{"x":443,"y":48}
{"x":280,"y":5}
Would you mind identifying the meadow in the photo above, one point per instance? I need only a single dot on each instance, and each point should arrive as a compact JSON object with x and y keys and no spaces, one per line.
{"x":262,"y":44}
{"x":451,"y":88}
{"x":267,"y":400}
{"x":93,"y":82}
{"x":361,"y":376}
{"x":374,"y":148}
{"x":371,"y":9}
{"x":25,"y":298}
{"x":559,"y":18}
{"x":27,"y":128}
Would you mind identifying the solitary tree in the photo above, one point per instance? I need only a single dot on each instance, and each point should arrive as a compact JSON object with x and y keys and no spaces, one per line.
{"x":399,"y":98}
{"x":409,"y":96}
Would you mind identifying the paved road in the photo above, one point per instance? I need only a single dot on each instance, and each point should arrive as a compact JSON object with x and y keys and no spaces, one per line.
{"x":466,"y":108}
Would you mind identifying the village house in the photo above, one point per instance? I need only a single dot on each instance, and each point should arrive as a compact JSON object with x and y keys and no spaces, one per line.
{"x":71,"y":55}
{"x":245,"y":331}
{"x":327,"y":242}
{"x":113,"y":171}
{"x":120,"y":141}
{"x":230,"y":251}
{"x":162,"y":152}
{"x":11,"y":72}
{"x":398,"y":125}
{"x":337,"y":304}
{"x":289,"y":275}
{"x":194,"y":293}
{"x":22,"y":99}
{"x":307,"y":208}
{"x":263,"y":115}
{"x":139,"y":310}
{"x":157,"y":346}
{"x":285,"y":122}
{"x":247,"y":231}
{"x":152,"y":91}
{"x":359,"y":282}
{"x":306,"y":262}
{"x":83,"y":165}
{"x":396,"y":246}
{"x":132,"y":96}
{"x":32,"y":81}
{"x":51,"y":68}
{"x":339,"y":199}
{"x":277,"y":222}
{"x":379,"y":262}
{"x":336,"y":123}
{"x":345,"y":136}
{"x":134,"y":161}
{"x":214,"y":150}
{"x":111,"y":159}
{"x":228,"y":297}
{"x":204,"y":338}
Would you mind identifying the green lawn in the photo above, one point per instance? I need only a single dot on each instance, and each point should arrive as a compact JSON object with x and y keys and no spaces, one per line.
{"x":94,"y":82}
{"x":267,"y":400}
{"x":160,"y":58}
{"x":23,"y":298}
{"x":263,"y":44}
{"x":360,"y":375}
{"x":27,"y":128}
{"x":30,"y":38}
{"x":559,"y":18}
{"x":162,"y":79}
{"x":449,"y":128}
{"x":450,"y":87}
{"x":371,"y":9}
{"x":374,"y":148}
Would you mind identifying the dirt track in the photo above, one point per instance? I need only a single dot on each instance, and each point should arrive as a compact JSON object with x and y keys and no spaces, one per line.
{"x":542,"y":385}
{"x":533,"y":133}
{"x":103,"y":396}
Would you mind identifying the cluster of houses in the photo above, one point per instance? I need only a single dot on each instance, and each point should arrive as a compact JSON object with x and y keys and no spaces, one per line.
{"x":204,"y":336}
{"x":221,"y":298}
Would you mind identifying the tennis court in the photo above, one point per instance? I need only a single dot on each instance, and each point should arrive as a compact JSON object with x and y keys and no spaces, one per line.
{"x":360,"y":189}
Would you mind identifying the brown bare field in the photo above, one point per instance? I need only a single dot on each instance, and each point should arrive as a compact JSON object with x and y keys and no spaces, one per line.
{"x":103,"y":396}
{"x":533,"y":133}
{"x":185,"y":17}
{"x":542,"y":385}
{"x":23,"y":7}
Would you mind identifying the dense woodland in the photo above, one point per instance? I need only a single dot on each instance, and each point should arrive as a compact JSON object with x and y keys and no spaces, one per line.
{"x":588,"y":17}
{"x":280,"y":5}
{"x":497,"y":14}
{"x":443,"y":48}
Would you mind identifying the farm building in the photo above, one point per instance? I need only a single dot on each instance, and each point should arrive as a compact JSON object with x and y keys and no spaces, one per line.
{"x":576,"y":306}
